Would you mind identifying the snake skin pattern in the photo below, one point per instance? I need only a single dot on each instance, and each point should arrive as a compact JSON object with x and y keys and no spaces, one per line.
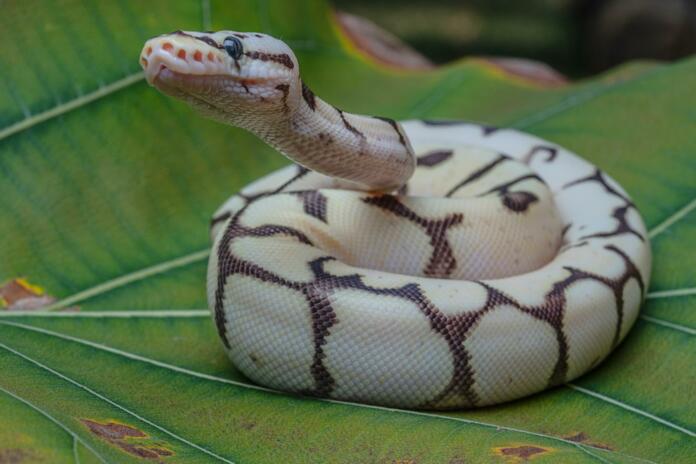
{"x":422,"y":264}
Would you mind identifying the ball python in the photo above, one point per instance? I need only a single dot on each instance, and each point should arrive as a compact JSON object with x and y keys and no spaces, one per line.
{"x":416,"y":264}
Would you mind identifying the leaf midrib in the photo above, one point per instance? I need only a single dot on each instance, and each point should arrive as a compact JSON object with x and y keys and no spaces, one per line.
{"x":71,"y":105}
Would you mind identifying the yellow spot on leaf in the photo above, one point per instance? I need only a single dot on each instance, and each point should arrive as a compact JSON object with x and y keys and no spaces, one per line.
{"x":19,"y":294}
{"x":35,"y":289}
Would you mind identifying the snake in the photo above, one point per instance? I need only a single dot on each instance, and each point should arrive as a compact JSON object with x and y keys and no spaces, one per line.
{"x":421,"y":264}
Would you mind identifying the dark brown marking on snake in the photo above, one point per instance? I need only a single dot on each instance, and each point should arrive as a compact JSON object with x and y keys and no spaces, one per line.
{"x":565,"y":243}
{"x":228,"y":263}
{"x":348,"y":125}
{"x":323,"y":318}
{"x":565,"y":229}
{"x":551,"y":153}
{"x":455,"y":329}
{"x":443,"y":122}
{"x":313,"y":204}
{"x":618,"y":285}
{"x":598,"y":176}
{"x":486,"y":129}
{"x":285,"y":88}
{"x":325,"y":138}
{"x":249,"y":198}
{"x":518,"y":201}
{"x":619,"y":213}
{"x":269,"y":230}
{"x":452,"y":328}
{"x":301,"y":172}
{"x":442,"y":260}
{"x":210,"y":42}
{"x":433,"y":158}
{"x":553,"y":308}
{"x":202,"y":38}
{"x":282,"y":58}
{"x":241,"y":36}
{"x":573,"y":245}
{"x":218,"y":219}
{"x":551,"y":312}
{"x":395,"y":126}
{"x":309,"y":97}
{"x":622,"y":226}
{"x":260,"y":36}
{"x":478,"y":174}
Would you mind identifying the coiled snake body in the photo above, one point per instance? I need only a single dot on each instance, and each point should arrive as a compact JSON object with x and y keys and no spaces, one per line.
{"x":419,"y":265}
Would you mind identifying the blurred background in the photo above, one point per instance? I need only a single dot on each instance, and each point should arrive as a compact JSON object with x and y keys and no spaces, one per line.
{"x":577,"y":38}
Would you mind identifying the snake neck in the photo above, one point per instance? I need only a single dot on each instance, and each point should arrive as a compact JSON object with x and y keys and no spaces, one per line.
{"x":252,"y":81}
{"x":321,"y":137}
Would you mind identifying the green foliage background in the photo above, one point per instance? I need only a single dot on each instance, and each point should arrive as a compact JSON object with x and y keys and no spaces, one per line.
{"x":106,"y":189}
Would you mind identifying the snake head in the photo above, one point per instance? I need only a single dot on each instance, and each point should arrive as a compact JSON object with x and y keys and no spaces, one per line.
{"x":227,"y":75}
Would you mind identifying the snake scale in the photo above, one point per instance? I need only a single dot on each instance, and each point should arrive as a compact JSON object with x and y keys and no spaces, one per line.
{"x":421,"y":264}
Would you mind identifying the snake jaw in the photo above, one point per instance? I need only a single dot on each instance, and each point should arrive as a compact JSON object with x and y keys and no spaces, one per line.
{"x":180,"y":56}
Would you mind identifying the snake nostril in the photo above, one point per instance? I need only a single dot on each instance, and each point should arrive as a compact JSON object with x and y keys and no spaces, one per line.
{"x":148,"y":52}
{"x":211,"y":57}
{"x":181,"y":54}
{"x":198,"y":56}
{"x":167,"y":47}
{"x":143,"y":60}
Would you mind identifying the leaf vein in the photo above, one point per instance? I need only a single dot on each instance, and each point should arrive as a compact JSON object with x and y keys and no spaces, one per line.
{"x":125,"y":279}
{"x":113,"y":403}
{"x":213,"y":378}
{"x":668,"y":324}
{"x":579,"y":98}
{"x":672,"y":293}
{"x":48,"y":416}
{"x":633,"y":409}
{"x":155,"y":314}
{"x":679,"y":214}
{"x":70,"y":105}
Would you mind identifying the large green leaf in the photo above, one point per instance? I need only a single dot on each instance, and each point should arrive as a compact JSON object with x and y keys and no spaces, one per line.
{"x":106,"y":188}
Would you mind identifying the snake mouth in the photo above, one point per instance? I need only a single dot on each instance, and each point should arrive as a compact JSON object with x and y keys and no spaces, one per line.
{"x":176,"y":83}
{"x":158,"y":56}
{"x":167,"y":69}
{"x":186,"y":86}
{"x":166,"y":76}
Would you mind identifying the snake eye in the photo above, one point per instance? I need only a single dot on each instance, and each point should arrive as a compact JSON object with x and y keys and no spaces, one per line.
{"x":233,"y":47}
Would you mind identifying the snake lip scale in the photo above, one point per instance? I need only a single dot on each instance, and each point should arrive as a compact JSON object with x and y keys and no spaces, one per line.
{"x":413,"y":264}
